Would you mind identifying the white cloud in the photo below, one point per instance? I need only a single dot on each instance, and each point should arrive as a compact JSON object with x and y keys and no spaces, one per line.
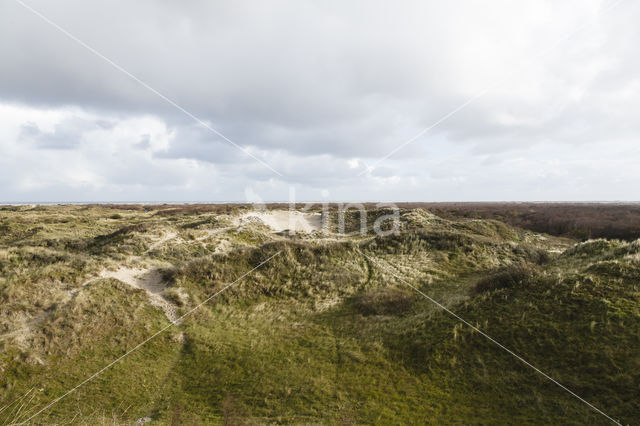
{"x":318,"y":91}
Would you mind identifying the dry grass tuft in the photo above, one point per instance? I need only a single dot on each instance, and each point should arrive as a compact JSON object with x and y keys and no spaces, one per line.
{"x":508,"y":277}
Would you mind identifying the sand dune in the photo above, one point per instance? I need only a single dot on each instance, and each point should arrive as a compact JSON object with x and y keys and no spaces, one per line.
{"x":281,"y":220}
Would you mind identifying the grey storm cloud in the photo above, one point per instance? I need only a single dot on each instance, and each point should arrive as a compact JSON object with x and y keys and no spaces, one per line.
{"x":319,"y":91}
{"x":67,"y":134}
{"x":144,"y":142}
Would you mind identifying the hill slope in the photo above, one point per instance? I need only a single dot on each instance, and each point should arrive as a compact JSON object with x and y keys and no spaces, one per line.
{"x":327,"y":331}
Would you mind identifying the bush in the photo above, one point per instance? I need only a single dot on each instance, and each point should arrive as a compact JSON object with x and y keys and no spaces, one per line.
{"x":593,"y":248}
{"x":385,"y":301}
{"x":575,"y":220}
{"x":532,"y":254}
{"x":508,"y":277}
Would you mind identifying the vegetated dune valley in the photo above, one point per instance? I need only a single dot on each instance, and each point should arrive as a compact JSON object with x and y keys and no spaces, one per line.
{"x":226,"y":314}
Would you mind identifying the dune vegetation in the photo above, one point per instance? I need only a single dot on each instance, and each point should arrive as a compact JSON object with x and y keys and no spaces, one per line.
{"x":334,"y":328}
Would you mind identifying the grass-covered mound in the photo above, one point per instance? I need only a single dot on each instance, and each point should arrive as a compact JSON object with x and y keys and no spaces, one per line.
{"x":325,"y":332}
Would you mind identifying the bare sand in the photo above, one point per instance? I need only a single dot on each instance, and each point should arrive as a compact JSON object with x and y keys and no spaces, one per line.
{"x":281,"y":220}
{"x":150,"y":280}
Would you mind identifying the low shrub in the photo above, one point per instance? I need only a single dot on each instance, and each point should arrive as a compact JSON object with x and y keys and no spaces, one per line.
{"x":593,"y":248}
{"x":507,"y":277}
{"x":532,"y":254}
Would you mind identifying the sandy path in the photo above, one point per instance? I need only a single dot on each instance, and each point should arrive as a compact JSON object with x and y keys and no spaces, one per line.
{"x":165,"y":238}
{"x":214,"y":232}
{"x":148,"y":279}
{"x":151,"y":281}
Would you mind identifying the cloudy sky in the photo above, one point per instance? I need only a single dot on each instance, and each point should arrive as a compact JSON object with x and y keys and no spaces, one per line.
{"x":359,"y":100}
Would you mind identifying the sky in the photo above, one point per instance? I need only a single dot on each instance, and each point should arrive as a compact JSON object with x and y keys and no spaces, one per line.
{"x":319,"y":101}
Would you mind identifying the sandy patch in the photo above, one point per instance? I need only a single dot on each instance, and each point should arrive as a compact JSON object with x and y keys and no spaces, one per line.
{"x":213,"y":232}
{"x":282,"y":220}
{"x":146,"y":279}
{"x":224,"y":246}
{"x":165,"y":238}
{"x":25,"y":326}
{"x":149,"y":280}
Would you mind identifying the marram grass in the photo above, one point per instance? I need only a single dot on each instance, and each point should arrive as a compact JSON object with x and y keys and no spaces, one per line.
{"x":320,"y":334}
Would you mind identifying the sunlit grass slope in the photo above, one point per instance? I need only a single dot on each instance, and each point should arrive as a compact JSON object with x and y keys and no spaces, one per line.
{"x":327,"y":331}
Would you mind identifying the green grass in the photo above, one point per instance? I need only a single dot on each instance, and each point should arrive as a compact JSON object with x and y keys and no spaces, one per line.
{"x":320,"y":334}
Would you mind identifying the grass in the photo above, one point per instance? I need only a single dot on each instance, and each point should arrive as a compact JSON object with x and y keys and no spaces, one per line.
{"x":507,"y":277}
{"x":320,"y":334}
